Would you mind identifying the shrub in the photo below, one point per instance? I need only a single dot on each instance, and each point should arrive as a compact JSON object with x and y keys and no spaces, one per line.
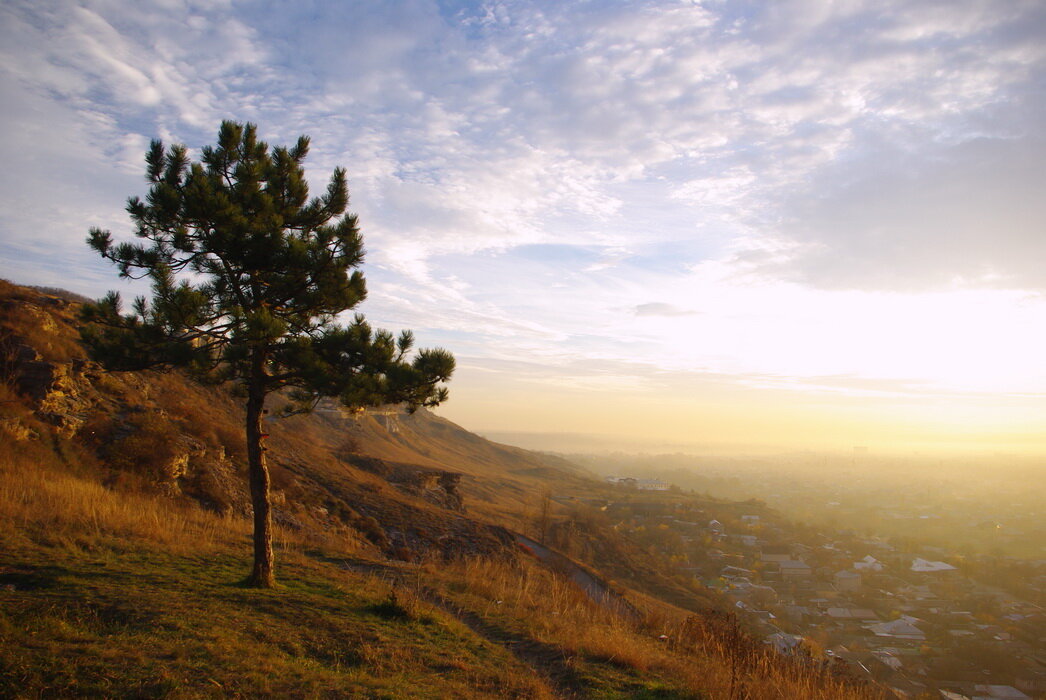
{"x":146,"y":443}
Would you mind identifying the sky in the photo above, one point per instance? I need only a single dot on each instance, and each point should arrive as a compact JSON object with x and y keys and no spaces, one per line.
{"x":723,"y":225}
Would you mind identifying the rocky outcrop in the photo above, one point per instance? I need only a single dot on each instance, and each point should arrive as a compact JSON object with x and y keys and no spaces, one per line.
{"x":60,"y":392}
{"x":441,"y":488}
{"x":36,"y":361}
{"x":435,"y":486}
{"x":207,"y":475}
{"x":160,"y":432}
{"x":16,"y":430}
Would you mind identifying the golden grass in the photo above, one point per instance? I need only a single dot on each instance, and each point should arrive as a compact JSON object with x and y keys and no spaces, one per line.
{"x":51,"y":496}
{"x":552,"y":610}
{"x":706,"y":656}
{"x":41,"y":499}
{"x":119,"y":592}
{"x":53,"y":505}
{"x":67,"y":507}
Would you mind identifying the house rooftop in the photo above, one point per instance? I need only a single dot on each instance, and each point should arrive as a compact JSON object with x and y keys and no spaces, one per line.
{"x":901,"y":629}
{"x":924,"y":566}
{"x":998,"y":692}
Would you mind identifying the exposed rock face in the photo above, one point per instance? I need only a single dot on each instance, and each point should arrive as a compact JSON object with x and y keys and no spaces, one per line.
{"x":16,"y":430}
{"x":42,"y":361}
{"x":436,"y":486}
{"x":59,"y":391}
{"x":441,"y":488}
{"x":35,"y":361}
{"x":37,"y":315}
{"x":468,"y":541}
{"x":161,"y":431}
{"x":211,"y":479}
{"x":188,"y":454}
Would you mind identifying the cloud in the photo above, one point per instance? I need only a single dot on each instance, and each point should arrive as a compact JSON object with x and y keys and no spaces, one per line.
{"x":661,"y":309}
{"x":911,"y":160}
{"x":531,"y":175}
{"x":85,"y":88}
{"x":969,"y":214}
{"x":473,"y":129}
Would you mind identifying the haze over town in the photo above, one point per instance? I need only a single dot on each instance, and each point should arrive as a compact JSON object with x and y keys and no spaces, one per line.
{"x":721,"y":226}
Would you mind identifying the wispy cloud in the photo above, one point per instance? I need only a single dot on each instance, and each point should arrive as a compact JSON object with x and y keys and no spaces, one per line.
{"x":719,"y":187}
{"x":657,"y":308}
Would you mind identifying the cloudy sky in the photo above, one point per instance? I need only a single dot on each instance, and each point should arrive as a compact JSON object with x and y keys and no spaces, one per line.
{"x":803,"y":223}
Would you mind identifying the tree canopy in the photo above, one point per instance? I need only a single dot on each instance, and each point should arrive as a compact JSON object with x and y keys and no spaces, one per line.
{"x":248,"y":277}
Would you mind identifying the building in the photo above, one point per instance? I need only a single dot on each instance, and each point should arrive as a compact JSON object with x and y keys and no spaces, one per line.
{"x":922,"y":566}
{"x":998,"y":692}
{"x":793,"y":569}
{"x":784,"y":643}
{"x":747,"y":540}
{"x":775,"y":554}
{"x":651,"y":485}
{"x":847,"y":580}
{"x":898,"y":629}
{"x":869,"y":563}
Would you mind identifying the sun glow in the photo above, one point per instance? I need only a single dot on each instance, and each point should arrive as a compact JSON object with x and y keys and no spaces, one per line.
{"x":969,"y":341}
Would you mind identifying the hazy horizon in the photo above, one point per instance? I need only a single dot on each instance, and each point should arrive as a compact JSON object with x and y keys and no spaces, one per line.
{"x":595,"y":444}
{"x":796,"y":225}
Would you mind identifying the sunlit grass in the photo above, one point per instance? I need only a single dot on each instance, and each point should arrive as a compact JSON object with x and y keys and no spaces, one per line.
{"x":122,"y":591}
{"x":663,"y":648}
{"x":111,"y":592}
{"x":61,"y":507}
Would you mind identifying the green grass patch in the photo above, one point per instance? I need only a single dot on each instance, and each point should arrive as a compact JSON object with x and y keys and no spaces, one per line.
{"x":144,"y":624}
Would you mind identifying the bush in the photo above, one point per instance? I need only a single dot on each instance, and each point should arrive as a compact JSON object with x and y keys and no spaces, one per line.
{"x":145,"y":444}
{"x":392,"y":609}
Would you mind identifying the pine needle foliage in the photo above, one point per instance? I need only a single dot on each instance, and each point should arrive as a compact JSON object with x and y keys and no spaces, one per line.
{"x":249,"y":276}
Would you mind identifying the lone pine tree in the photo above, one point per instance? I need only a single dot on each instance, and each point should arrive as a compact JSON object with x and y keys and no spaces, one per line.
{"x":248,"y":277}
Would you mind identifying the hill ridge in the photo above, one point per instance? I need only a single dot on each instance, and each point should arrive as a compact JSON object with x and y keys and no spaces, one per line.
{"x":123,"y":497}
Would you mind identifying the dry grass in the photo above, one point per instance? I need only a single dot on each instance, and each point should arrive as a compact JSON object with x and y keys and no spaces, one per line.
{"x":111,"y":592}
{"x":529,"y":599}
{"x":54,"y":506}
{"x":558,"y":611}
{"x":35,"y":320}
{"x":45,"y":502}
{"x":706,"y":656}
{"x":61,"y":506}
{"x":116,"y":590}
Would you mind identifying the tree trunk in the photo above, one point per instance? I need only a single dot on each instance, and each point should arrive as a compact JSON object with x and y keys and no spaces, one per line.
{"x":262,"y":576}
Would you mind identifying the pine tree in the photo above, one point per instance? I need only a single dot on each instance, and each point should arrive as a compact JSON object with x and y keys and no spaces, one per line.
{"x":248,"y":277}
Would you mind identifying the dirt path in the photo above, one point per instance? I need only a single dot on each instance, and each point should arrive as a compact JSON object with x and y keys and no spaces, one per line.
{"x":547,"y":661}
{"x":595,"y":587}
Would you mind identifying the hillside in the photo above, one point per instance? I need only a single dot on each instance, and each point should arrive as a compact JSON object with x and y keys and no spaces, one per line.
{"x":124,"y":533}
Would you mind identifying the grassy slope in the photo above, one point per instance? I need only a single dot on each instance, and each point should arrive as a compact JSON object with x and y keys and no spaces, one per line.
{"x":151,"y":626}
{"x":112,"y":593}
{"x":148,"y":624}
{"x":113,"y":586}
